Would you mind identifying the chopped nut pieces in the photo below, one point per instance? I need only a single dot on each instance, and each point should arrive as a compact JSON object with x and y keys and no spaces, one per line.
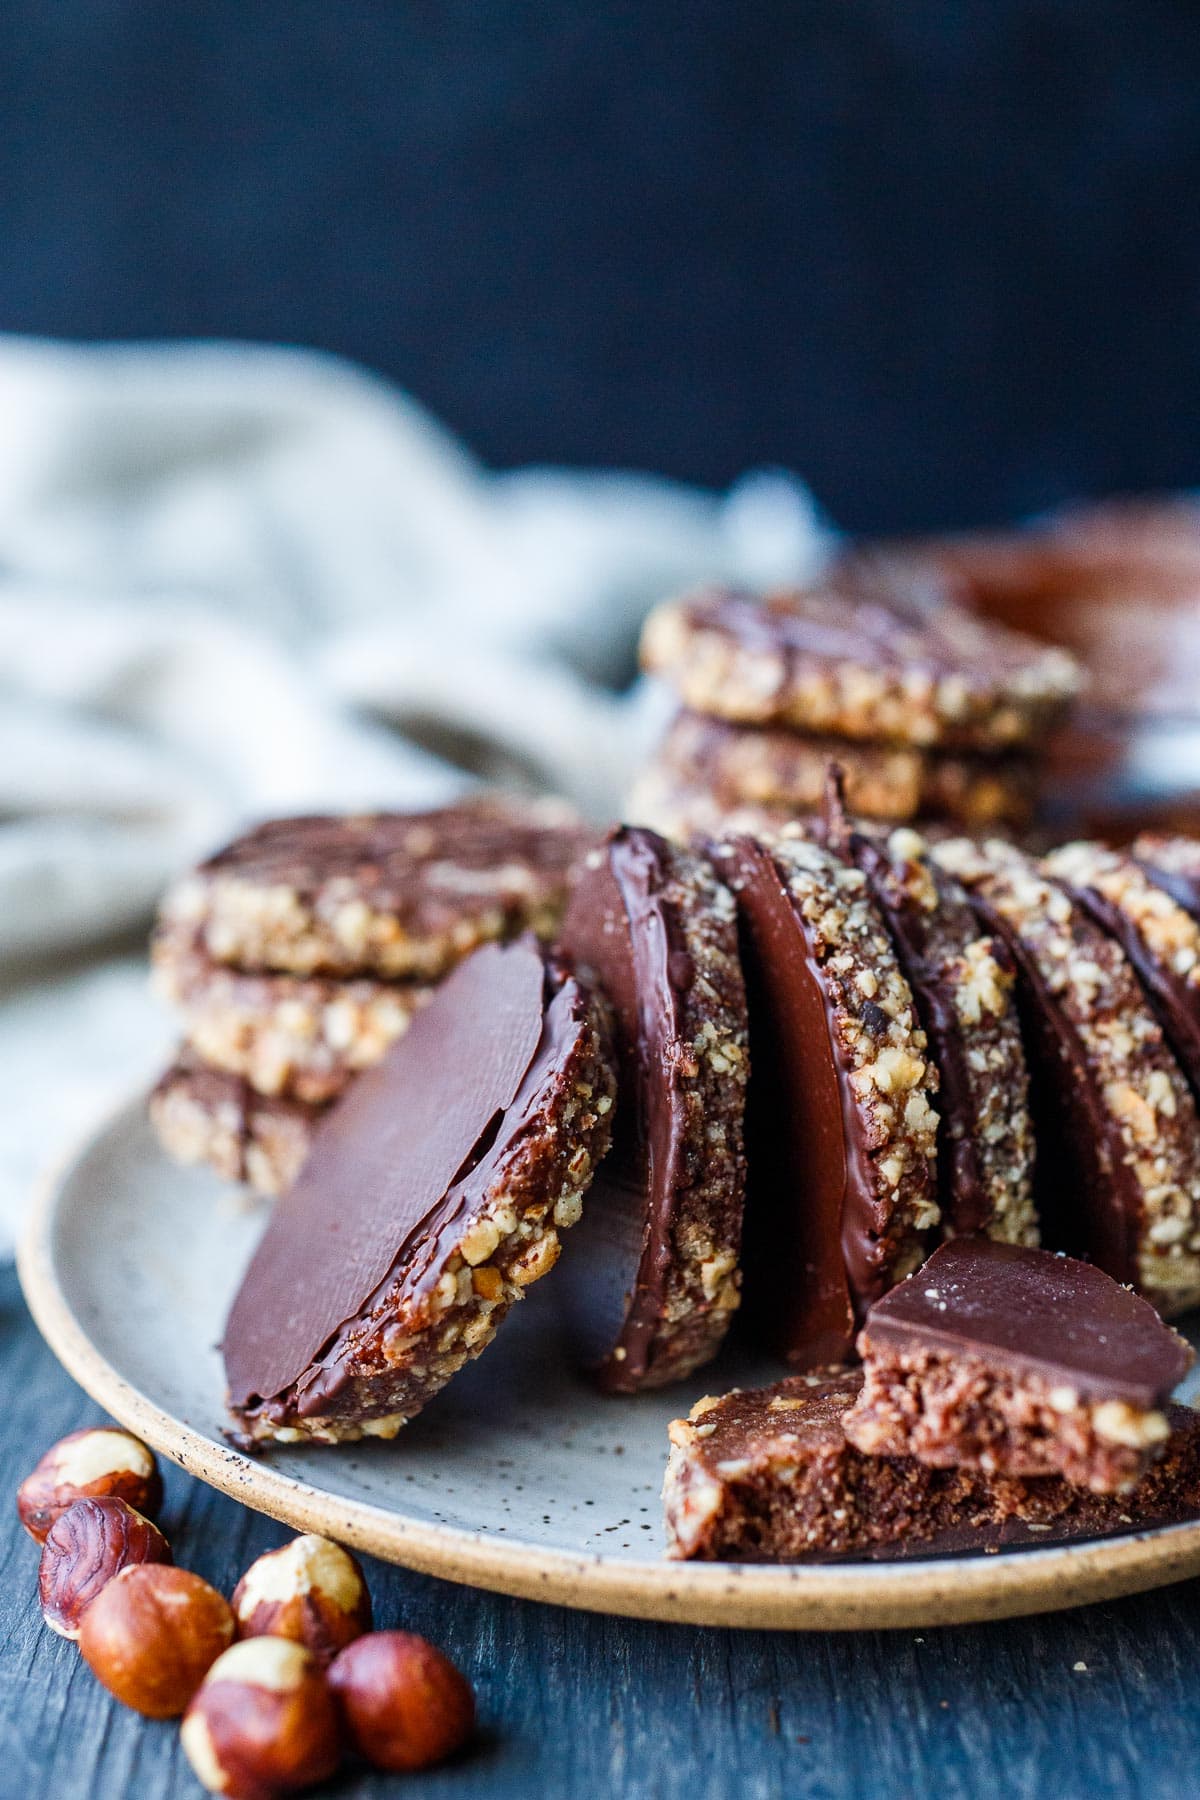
{"x":770,"y":1476}
{"x":204,"y":1115}
{"x":1017,"y":1362}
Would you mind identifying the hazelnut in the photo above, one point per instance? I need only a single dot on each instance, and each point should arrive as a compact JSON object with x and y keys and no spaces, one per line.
{"x":152,"y":1634}
{"x":311,"y":1591}
{"x":100,"y":1462}
{"x":84,"y":1548}
{"x":403,"y":1704}
{"x":262,"y":1722}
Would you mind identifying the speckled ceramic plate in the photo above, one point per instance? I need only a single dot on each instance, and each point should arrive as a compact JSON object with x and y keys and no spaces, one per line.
{"x":517,"y":1478}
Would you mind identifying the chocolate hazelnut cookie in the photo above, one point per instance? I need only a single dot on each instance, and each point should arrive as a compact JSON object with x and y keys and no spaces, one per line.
{"x":862,"y":657}
{"x":432,"y":1197}
{"x":206,"y":1115}
{"x":785,"y":770}
{"x":1160,"y":938}
{"x":963,"y":982}
{"x":841,"y":1126}
{"x":302,"y":1036}
{"x":401,"y":896}
{"x":651,"y":1279}
{"x":1118,"y":1169}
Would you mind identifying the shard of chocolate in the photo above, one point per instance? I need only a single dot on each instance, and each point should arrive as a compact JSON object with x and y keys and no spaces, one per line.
{"x":841,"y":1132}
{"x":432,"y":1196}
{"x":769,"y":1475}
{"x":650,"y":1283}
{"x":1017,"y":1362}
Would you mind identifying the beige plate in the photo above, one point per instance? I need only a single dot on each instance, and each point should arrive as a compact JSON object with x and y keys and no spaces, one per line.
{"x":518,"y":1478}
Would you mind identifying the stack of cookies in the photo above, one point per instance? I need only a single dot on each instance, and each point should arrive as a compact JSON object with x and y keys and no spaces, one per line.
{"x":933,"y":714}
{"x":302,"y":951}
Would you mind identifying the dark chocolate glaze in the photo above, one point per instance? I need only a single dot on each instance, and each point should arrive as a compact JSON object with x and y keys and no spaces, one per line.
{"x":812,"y":1257}
{"x":622,"y":930}
{"x":1176,"y":1006}
{"x":964,"y":1201}
{"x":1031,"y":1313}
{"x":892,"y":617}
{"x":381,"y":1167}
{"x":421,"y":1259}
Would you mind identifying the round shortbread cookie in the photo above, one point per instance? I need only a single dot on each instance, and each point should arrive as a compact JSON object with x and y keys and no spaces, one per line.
{"x":402,"y":896}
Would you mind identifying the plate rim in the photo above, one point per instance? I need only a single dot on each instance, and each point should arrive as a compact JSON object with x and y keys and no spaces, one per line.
{"x":795,"y":1596}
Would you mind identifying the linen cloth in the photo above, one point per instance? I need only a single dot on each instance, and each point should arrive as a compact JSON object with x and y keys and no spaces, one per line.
{"x":237,"y":581}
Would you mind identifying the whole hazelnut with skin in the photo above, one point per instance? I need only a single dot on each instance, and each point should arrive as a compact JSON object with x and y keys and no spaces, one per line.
{"x":151,"y":1635}
{"x":311,"y":1591}
{"x":85,"y":1547}
{"x":262,"y":1722}
{"x":403,"y":1704}
{"x":101,"y":1462}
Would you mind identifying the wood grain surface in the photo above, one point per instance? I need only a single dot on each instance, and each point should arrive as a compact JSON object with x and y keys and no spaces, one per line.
{"x":578,"y":1705}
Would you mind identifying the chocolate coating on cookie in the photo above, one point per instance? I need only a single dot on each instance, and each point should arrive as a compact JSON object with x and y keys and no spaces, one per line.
{"x":841,"y":1132}
{"x":431,"y":1198}
{"x":396,"y":895}
{"x":866,"y":655}
{"x":1173,"y":863}
{"x":651,"y":1279}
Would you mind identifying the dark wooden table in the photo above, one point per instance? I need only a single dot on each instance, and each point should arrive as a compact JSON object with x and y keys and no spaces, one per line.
{"x":576,"y":1705}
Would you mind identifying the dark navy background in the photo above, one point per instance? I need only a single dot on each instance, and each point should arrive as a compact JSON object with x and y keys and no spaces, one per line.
{"x":943,"y":259}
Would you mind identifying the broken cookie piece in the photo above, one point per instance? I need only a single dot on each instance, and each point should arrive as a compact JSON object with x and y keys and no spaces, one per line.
{"x":432,"y":1197}
{"x":651,"y":1283}
{"x":841,"y":1126}
{"x":1017,"y":1362}
{"x":769,"y":1476}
